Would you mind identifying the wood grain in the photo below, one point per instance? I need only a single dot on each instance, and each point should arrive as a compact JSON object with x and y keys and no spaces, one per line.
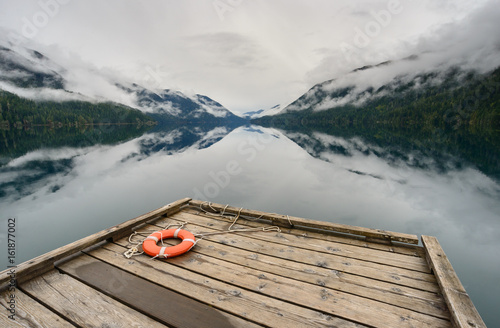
{"x":463,"y":311}
{"x":398,"y":248}
{"x":247,"y":304}
{"x":385,"y":257}
{"x":28,"y":313}
{"x":401,"y":296}
{"x":82,"y":305}
{"x":165,"y":306}
{"x":283,"y":220}
{"x":294,"y":252}
{"x":45,"y":262}
{"x":339,"y":303}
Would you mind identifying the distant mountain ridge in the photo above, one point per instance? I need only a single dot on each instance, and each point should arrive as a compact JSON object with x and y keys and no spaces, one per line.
{"x":29,"y":70}
{"x":177,"y":104}
{"x":452,"y":98}
{"x":30,"y":74}
{"x":361,"y":85}
{"x":263,"y":112}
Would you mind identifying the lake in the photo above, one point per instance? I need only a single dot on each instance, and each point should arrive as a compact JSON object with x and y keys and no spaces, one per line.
{"x":61,"y":185}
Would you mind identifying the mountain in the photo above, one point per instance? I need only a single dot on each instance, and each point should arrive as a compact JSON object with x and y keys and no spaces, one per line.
{"x":30,"y":74}
{"x":387,"y":94}
{"x":263,"y":112}
{"x":27,"y":68}
{"x":171,"y":104}
{"x":33,"y":92}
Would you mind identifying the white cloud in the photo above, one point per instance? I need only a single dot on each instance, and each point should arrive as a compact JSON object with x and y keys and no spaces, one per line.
{"x":44,"y":94}
{"x":260,"y":53}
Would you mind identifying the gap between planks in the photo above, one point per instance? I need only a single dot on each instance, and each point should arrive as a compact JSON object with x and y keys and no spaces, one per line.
{"x":246,"y":304}
{"x":157,"y":302}
{"x":343,"y":305}
{"x":463,"y":312}
{"x":399,"y":248}
{"x":413,"y":299}
{"x":45,"y":262}
{"x":82,"y":305}
{"x":313,"y":242}
{"x":29,"y":313}
{"x":284,"y":220}
{"x":377,"y":271}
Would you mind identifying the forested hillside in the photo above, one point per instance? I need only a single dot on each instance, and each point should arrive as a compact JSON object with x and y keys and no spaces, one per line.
{"x":471,"y":102}
{"x":17,"y":112}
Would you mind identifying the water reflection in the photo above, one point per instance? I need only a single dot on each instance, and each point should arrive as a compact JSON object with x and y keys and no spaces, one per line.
{"x":179,"y":140}
{"x":357,"y":179}
{"x":442,"y":186}
{"x":50,"y":168}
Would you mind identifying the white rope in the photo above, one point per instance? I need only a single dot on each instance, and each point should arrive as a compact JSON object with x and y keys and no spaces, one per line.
{"x":263,"y":229}
{"x":235,"y":219}
{"x":210,"y":205}
{"x":134,"y":249}
{"x":221,"y":214}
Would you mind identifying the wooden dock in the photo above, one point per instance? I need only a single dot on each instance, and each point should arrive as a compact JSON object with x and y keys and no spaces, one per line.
{"x":309,"y":274}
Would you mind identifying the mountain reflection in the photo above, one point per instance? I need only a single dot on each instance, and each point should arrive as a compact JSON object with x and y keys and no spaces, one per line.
{"x":31,"y":164}
{"x":44,"y":162}
{"x":178,"y":140}
{"x":24,"y":179}
{"x":438,"y":152}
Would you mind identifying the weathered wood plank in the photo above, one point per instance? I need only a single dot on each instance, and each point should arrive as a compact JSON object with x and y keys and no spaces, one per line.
{"x":45,"y":262}
{"x":323,"y":225}
{"x":244,"y":303}
{"x":82,"y":305}
{"x":28,"y":313}
{"x":462,"y":310}
{"x":405,"y":249}
{"x":412,"y":299}
{"x":341,"y":304}
{"x":395,"y":275}
{"x":162,"y":304}
{"x":320,"y":245}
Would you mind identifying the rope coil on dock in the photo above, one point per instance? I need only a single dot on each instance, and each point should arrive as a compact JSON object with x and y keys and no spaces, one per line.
{"x":150,"y":247}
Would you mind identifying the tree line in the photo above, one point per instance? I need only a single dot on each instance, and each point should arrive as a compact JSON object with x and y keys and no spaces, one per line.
{"x":473,"y":103}
{"x":20,"y":112}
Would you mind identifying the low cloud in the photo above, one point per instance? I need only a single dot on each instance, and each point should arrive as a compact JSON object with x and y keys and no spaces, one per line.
{"x":43,"y":94}
{"x":263,"y":52}
{"x":471,"y":43}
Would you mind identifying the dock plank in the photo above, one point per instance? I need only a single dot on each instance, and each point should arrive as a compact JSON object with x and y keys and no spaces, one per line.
{"x":310,"y":274}
{"x":324,"y":225}
{"x":45,"y":262}
{"x":82,"y":305}
{"x":162,"y":304}
{"x":409,"y":298}
{"x":398,"y":248}
{"x":463,"y":311}
{"x":371,"y":270}
{"x":348,"y":306}
{"x":320,"y":245}
{"x":28,"y":313}
{"x":246,"y":304}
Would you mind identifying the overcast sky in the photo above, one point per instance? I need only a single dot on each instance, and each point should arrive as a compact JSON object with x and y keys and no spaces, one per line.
{"x":248,"y":54}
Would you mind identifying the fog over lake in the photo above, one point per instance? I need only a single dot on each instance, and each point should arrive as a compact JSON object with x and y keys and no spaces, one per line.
{"x":59,"y":194}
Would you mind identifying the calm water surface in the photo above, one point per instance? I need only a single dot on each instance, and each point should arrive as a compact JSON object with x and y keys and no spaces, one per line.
{"x":64,"y":192}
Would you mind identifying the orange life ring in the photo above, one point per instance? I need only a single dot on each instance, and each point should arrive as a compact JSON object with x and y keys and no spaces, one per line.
{"x":149,"y":245}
